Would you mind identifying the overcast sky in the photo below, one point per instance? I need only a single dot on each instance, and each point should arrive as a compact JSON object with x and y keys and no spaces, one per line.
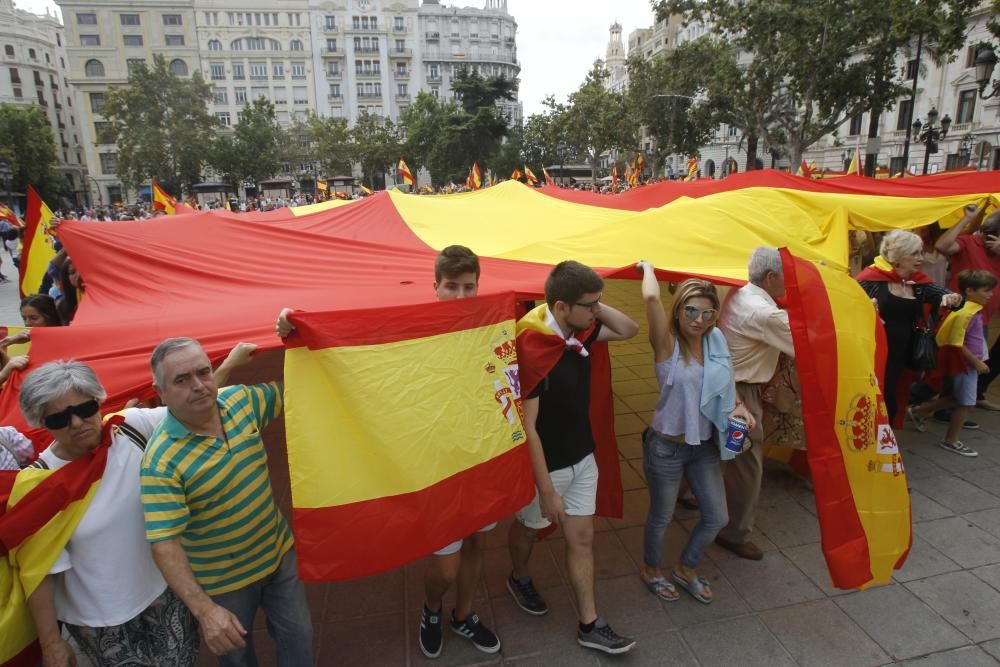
{"x":557,"y":40}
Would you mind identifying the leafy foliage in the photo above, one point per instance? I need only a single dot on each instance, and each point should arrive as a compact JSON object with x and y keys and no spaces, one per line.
{"x":29,"y":149}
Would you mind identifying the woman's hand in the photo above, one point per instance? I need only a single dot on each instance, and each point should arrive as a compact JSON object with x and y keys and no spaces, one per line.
{"x":951,"y":300}
{"x":283,"y":327}
{"x":742,"y":413}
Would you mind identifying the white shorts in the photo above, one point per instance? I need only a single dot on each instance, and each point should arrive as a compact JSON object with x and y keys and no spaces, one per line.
{"x":457,"y":544}
{"x":577,"y":484}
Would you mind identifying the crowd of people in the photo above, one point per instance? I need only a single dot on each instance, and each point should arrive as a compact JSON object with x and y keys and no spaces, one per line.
{"x":182,"y":541}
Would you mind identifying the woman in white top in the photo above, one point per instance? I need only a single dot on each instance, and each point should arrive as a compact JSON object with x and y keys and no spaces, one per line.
{"x":686,"y":440}
{"x":105,"y":587}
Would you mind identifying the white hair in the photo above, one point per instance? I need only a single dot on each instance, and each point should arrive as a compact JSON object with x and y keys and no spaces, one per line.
{"x":763,"y":261}
{"x":898,"y":244}
{"x":54,"y":380}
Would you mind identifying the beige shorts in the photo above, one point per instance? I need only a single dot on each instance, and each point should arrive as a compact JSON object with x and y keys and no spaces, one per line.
{"x":577,"y":484}
{"x":455,"y":546}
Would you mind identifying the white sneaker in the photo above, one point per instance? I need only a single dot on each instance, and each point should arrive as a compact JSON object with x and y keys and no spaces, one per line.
{"x":958,"y":447}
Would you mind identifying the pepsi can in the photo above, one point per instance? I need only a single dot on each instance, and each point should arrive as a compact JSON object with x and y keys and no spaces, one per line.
{"x":736,"y":435}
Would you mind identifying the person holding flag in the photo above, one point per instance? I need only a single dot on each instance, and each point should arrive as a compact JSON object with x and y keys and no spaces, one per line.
{"x":555,"y":342}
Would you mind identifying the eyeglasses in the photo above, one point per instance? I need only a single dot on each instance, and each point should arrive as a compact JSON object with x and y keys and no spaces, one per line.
{"x":590,"y":305}
{"x":693,"y":312}
{"x":61,"y":419}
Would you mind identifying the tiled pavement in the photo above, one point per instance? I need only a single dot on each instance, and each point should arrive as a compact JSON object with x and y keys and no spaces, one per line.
{"x":942,"y":608}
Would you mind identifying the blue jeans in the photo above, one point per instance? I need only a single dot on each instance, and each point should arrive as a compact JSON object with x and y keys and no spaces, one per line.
{"x":283,"y":598}
{"x":666,"y":463}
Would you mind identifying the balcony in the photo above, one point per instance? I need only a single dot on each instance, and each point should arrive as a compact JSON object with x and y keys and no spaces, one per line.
{"x":258,"y":77}
{"x":366,"y":49}
{"x":508,"y":40}
{"x":433,"y":78}
{"x":330,"y":28}
{"x":53,"y":85}
{"x":455,"y":35}
{"x":16,"y":80}
{"x":58,"y":106}
{"x":334,"y":74}
{"x":399,"y":28}
{"x":333,"y":52}
{"x":368,"y":74}
{"x":300,"y":102}
{"x":298,"y":77}
{"x":403,"y":97}
{"x":62,"y":126}
{"x":401,"y":53}
{"x":402,"y":73}
{"x":39,"y":83}
{"x":432,"y":35}
{"x":336,"y":99}
{"x":369,"y":96}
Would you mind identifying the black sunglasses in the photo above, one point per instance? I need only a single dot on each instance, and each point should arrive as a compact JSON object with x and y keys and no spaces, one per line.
{"x":61,"y":419}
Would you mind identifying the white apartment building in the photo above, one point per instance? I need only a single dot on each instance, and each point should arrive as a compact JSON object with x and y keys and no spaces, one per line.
{"x":332,"y":57}
{"x":36,"y":73}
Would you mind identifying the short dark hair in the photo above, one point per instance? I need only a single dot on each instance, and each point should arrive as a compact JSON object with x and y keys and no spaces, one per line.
{"x":454,"y":261}
{"x":975,"y":279}
{"x":569,"y":281}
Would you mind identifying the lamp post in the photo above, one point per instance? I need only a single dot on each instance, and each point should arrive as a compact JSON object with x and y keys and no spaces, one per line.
{"x":97,"y":186}
{"x":986,"y":61}
{"x":913,"y":106}
{"x":929,"y":134}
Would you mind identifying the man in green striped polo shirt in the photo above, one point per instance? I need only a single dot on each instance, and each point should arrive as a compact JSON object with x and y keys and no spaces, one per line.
{"x":216,"y":534}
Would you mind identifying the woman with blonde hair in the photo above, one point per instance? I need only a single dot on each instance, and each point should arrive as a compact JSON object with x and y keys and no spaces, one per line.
{"x":687,"y":437}
{"x":900,"y":290}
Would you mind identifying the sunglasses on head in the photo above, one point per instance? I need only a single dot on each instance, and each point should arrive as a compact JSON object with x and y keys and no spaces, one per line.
{"x":61,"y":419}
{"x":707,"y":314}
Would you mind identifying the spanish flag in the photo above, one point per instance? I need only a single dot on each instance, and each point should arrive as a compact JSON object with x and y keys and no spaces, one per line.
{"x":162,"y":201}
{"x":692,"y":167}
{"x":950,"y":338}
{"x":365,"y":190}
{"x":9,"y":215}
{"x":532,"y":179}
{"x":855,"y":166}
{"x":640,"y":163}
{"x":516,"y":175}
{"x":404,"y":173}
{"x":477,"y":176}
{"x":321,"y":186}
{"x":548,"y":178}
{"x":404,"y":432}
{"x":866,"y":534}
{"x":614,"y":177}
{"x":37,"y":250}
{"x":539,"y":349}
{"x":19,"y":348}
{"x":39,"y":510}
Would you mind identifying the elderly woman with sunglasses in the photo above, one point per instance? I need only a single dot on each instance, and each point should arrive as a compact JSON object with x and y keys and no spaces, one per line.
{"x":104,"y":586}
{"x":690,"y":421}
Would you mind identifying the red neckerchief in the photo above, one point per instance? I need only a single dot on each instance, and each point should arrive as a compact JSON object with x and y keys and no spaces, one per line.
{"x":878,"y":273}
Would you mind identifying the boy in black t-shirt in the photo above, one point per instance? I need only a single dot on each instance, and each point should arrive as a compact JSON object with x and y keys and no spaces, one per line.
{"x":561,"y":444}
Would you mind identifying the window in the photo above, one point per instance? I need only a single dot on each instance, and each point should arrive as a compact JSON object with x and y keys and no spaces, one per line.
{"x":15,"y":76}
{"x":356,"y":22}
{"x":129,"y":19}
{"x":172,"y":19}
{"x":8,"y":49}
{"x":331,"y":45}
{"x":435,"y":92}
{"x":300,"y":94}
{"x":47,"y":58}
{"x":334,"y":90}
{"x":278,"y":69}
{"x":101,"y":128}
{"x":258,"y":93}
{"x":17,"y":93}
{"x":295,"y":45}
{"x":238,"y":73}
{"x":400,"y":45}
{"x":214,"y":45}
{"x":96,"y":102}
{"x":397,"y":23}
{"x":281,"y":95}
{"x":132,"y":40}
{"x":281,"y":117}
{"x":223,"y":117}
{"x":333,"y":69}
{"x":108,"y":163}
{"x":330,"y":22}
{"x":856,"y":121}
{"x":966,"y":106}
{"x":374,"y":23}
{"x":87,"y":40}
{"x":220,"y":95}
{"x":401,"y":69}
{"x":911,"y":69}
{"x":298,"y":70}
{"x":86,"y":19}
{"x":94,"y":68}
{"x":175,"y":40}
{"x":970,"y":56}
{"x":217,"y":71}
{"x":905,"y":115}
{"x":240,"y":95}
{"x":401,"y":90}
{"x":179,"y":67}
{"x":236,"y":45}
{"x":258,"y":71}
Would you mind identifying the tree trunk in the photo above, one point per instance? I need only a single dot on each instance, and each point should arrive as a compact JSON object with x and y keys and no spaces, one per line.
{"x":593,"y":172}
{"x":751,"y":152}
{"x":871,"y":159}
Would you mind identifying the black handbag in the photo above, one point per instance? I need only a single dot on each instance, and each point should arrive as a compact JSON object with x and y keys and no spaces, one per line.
{"x":925,"y":348}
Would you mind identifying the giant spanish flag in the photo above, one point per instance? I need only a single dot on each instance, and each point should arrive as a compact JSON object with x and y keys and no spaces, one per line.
{"x":39,"y":510}
{"x":378,"y":254}
{"x":421,"y":444}
{"x":37,"y":250}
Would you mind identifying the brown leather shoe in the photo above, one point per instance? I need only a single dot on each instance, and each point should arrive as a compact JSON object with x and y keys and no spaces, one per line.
{"x":747,"y":550}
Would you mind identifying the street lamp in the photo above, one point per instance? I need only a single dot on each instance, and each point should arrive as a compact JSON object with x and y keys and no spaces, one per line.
{"x":985,"y":62}
{"x":928,"y":134}
{"x":97,"y":186}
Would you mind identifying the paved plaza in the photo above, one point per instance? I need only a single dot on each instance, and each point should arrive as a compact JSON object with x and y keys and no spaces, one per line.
{"x":942,"y":608}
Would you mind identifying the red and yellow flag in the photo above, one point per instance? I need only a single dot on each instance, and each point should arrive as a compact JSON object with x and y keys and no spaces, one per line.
{"x":640,"y":163}
{"x":7,"y":214}
{"x":162,"y":201}
{"x":477,"y":176}
{"x":321,"y":185}
{"x":692,"y":168}
{"x":614,"y":177}
{"x":405,"y":173}
{"x":532,"y":179}
{"x":516,"y":175}
{"x":37,"y":250}
{"x":547,"y":177}
{"x":365,"y":190}
{"x":861,"y":491}
{"x":950,"y":338}
{"x":384,"y":492}
{"x":39,"y":510}
{"x":539,"y":349}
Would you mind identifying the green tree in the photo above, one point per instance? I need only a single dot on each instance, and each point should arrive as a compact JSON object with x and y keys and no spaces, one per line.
{"x":542,"y":134}
{"x":597,"y":120}
{"x":329,"y":142}
{"x":161,"y":126}
{"x":375,"y":144}
{"x":259,"y":142}
{"x":484,"y":125}
{"x":28,"y":147}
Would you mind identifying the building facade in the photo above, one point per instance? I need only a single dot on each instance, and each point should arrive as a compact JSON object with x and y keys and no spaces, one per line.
{"x":331,"y":57}
{"x":38,"y":74}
